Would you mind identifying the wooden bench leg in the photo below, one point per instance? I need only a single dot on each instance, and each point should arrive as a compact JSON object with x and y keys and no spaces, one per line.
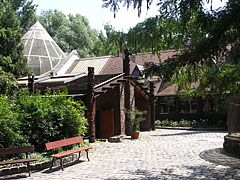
{"x":87,"y":154}
{"x":52,"y":163}
{"x":79,"y":155}
{"x":62,"y":164}
{"x":28,"y":169}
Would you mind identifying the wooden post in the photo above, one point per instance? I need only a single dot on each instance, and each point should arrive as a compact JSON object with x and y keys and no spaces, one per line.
{"x":31,"y":83}
{"x":91,"y":105}
{"x":152,"y":106}
{"x":126,"y":62}
{"x":126,"y":70}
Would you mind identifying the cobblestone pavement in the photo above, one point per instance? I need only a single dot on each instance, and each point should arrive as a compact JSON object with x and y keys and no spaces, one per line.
{"x":160,"y":154}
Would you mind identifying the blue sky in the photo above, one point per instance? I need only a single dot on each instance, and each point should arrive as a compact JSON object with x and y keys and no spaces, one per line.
{"x":97,"y":16}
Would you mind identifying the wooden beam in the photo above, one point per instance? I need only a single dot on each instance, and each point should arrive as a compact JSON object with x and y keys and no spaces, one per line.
{"x":107,"y":88}
{"x":121,"y":80}
{"x":115,"y":84}
{"x":99,"y":92}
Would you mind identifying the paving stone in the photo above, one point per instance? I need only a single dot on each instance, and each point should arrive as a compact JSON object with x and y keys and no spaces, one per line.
{"x":160,"y":154}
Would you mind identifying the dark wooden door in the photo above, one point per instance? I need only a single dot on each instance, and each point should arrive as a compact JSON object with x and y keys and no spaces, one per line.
{"x":106,"y":123}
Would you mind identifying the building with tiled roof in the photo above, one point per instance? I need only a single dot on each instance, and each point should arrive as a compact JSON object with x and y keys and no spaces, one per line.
{"x":114,"y":64}
{"x":112,"y":89}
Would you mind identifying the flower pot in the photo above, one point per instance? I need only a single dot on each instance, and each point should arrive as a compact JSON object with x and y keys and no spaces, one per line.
{"x":135,"y":134}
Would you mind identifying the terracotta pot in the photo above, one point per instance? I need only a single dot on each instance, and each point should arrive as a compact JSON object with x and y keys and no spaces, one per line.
{"x":135,"y":134}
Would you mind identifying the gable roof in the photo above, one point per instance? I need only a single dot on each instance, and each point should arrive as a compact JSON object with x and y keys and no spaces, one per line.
{"x":81,"y":65}
{"x":115,"y":64}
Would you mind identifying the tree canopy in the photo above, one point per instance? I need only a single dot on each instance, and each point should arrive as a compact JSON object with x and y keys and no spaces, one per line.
{"x":12,"y":62}
{"x":71,"y":32}
{"x":209,"y":37}
{"x":25,"y":10}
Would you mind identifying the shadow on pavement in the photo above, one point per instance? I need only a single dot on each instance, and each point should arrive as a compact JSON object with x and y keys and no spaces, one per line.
{"x":220,"y":157}
{"x":183,"y":133}
{"x":194,"y":172}
{"x":65,"y":166}
{"x":14,"y":176}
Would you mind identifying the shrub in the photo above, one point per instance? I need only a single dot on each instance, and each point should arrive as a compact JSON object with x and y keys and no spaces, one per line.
{"x":50,"y":117}
{"x":10,"y":131}
{"x":205,"y":119}
{"x":136,"y":117}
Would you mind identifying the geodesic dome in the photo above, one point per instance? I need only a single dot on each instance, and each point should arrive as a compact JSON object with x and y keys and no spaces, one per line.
{"x":41,"y":50}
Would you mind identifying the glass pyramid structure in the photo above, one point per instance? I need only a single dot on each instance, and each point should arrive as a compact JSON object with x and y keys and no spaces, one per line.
{"x":41,"y":50}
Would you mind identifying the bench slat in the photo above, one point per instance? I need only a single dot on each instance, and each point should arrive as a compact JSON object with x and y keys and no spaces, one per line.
{"x":64,"y":142}
{"x":65,"y":153}
{"x":16,"y":150}
{"x":17,"y":161}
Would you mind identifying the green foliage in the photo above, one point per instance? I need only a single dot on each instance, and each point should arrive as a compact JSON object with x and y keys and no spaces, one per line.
{"x":71,"y":32}
{"x":171,"y":123}
{"x":155,"y":34}
{"x":12,"y":62}
{"x":50,"y":117}
{"x":136,"y":117}
{"x":205,"y":35}
{"x":112,"y":43}
{"x":37,"y":119}
{"x":25,"y":10}
{"x":8,"y":83}
{"x":11,"y":52}
{"x":10,"y":131}
{"x":219,"y":80}
{"x":204,"y":119}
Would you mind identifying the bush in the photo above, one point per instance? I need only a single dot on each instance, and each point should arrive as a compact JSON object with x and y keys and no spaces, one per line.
{"x":136,"y":117}
{"x":207,"y":119}
{"x":10,"y":131}
{"x":50,"y":117}
{"x":200,"y":123}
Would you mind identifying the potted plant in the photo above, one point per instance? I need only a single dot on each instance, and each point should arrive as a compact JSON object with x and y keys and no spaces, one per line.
{"x":136,"y":117}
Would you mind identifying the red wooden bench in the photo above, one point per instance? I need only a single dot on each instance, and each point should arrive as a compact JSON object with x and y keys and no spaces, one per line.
{"x":18,"y":150}
{"x":66,"y":142}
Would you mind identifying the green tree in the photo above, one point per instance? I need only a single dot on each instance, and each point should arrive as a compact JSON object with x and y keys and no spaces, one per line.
{"x":155,"y":34}
{"x":71,"y":32}
{"x":25,"y":10}
{"x":111,"y":43}
{"x":207,"y":34}
{"x":82,"y":36}
{"x":100,"y":45}
{"x":12,"y":62}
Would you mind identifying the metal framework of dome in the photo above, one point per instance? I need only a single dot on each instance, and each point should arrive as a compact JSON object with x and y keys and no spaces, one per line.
{"x":41,"y":50}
